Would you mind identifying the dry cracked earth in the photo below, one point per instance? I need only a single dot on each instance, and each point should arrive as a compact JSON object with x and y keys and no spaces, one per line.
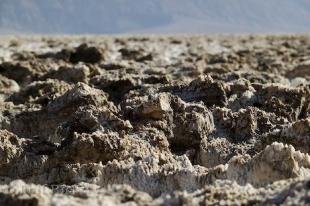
{"x":158,"y":120}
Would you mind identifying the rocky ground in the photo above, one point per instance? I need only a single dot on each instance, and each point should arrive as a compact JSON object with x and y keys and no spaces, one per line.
{"x":219,"y":120}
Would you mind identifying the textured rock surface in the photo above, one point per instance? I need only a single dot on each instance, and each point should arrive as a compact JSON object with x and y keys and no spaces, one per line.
{"x":199,"y":120}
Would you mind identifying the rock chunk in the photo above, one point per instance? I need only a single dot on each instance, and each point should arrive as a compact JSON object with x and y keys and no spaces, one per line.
{"x":87,"y":54}
{"x":203,"y":89}
{"x":275,"y":162}
{"x":7,"y":87}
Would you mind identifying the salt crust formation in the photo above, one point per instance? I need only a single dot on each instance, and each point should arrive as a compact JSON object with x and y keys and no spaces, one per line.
{"x":188,"y":120}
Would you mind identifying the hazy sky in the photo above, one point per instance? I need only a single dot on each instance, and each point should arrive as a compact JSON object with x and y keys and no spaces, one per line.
{"x":154,"y":16}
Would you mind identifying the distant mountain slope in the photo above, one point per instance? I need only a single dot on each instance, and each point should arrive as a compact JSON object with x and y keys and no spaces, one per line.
{"x":160,"y":16}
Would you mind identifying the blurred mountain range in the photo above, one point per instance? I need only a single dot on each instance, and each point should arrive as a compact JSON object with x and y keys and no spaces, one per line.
{"x":153,"y":16}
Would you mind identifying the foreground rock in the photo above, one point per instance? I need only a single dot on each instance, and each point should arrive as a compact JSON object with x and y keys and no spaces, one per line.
{"x":155,"y":121}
